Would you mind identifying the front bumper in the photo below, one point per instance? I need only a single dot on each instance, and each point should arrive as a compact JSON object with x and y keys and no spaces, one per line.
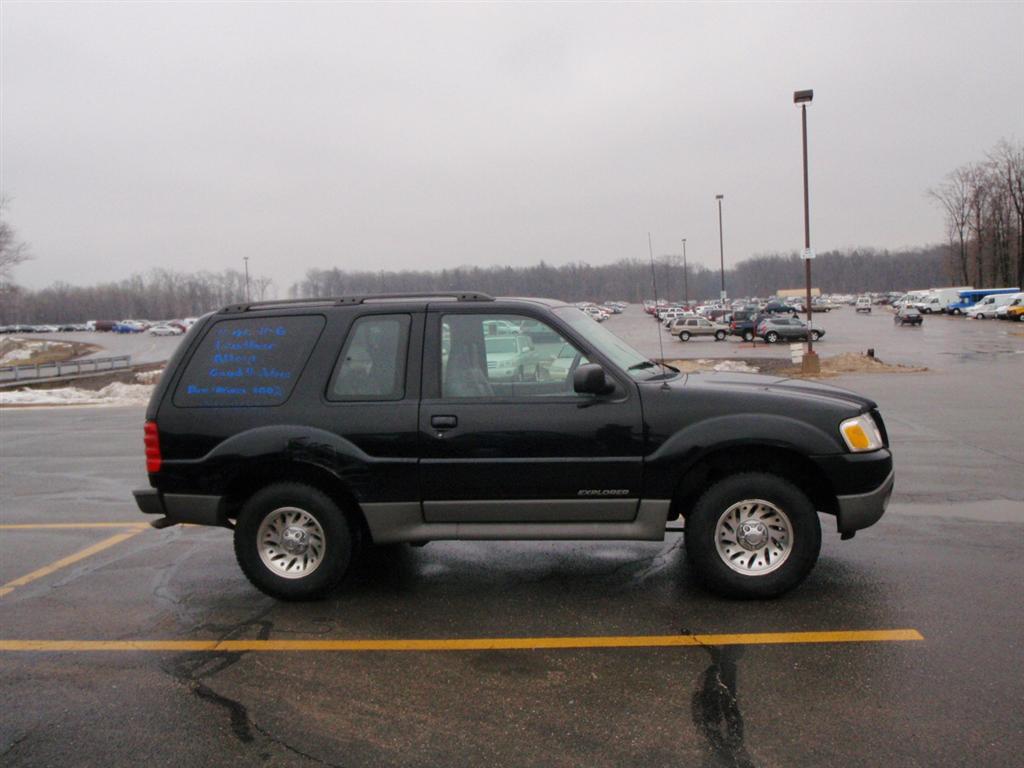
{"x":861,"y":510}
{"x":177,"y":508}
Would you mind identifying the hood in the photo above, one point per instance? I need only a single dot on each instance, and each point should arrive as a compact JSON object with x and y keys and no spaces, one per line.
{"x":752,"y":383}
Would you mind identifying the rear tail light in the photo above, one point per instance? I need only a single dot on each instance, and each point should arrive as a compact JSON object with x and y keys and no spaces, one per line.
{"x":152,"y":440}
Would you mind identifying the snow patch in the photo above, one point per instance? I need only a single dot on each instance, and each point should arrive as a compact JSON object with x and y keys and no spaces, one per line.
{"x":735,"y":366}
{"x":112,"y":394}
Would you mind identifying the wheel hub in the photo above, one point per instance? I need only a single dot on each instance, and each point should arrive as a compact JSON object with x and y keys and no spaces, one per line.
{"x":752,"y":534}
{"x":291,"y":542}
{"x":295,"y":540}
{"x":754,"y":537}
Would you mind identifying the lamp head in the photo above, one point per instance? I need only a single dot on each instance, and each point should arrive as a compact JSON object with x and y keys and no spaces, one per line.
{"x":803,"y":97}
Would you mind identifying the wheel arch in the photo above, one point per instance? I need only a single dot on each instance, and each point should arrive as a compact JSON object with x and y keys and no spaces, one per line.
{"x":762,"y":457}
{"x":260,"y":474}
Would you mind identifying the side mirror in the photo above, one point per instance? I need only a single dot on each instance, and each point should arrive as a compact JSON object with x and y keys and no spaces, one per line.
{"x":590,"y":379}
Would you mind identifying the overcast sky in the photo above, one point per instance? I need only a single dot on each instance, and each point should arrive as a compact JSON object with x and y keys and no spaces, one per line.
{"x":187,"y":135}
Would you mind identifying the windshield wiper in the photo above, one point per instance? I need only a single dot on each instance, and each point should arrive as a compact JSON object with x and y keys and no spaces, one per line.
{"x":641,"y":366}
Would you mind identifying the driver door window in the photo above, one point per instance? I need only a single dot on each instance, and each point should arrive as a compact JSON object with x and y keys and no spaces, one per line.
{"x":504,"y":356}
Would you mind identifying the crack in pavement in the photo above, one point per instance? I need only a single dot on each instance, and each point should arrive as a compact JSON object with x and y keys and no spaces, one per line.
{"x":716,"y":709}
{"x":15,"y":743}
{"x":192,"y":668}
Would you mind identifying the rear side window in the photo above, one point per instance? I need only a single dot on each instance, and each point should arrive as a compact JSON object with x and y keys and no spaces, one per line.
{"x":248,"y":362}
{"x":372,"y":363}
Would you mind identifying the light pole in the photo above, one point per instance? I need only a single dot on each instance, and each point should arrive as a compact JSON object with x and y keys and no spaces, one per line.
{"x":686,"y":282}
{"x":246,"y":260}
{"x":803,"y":98}
{"x":721,"y":246}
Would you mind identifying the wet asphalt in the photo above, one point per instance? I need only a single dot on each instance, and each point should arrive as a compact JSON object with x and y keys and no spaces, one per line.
{"x":945,"y":560}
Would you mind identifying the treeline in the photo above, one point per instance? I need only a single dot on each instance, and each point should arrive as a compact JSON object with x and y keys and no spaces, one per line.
{"x":161,"y":294}
{"x":631,"y":280}
{"x":984,"y":207}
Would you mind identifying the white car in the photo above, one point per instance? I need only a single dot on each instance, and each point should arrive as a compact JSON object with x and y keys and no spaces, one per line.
{"x":986,"y":308}
{"x":863,"y":304}
{"x":165,"y":330}
{"x":510,"y":358}
{"x":1016,"y":300}
{"x":566,"y":361}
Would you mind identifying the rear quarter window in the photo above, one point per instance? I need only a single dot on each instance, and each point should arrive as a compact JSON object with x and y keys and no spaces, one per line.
{"x":248,"y":362}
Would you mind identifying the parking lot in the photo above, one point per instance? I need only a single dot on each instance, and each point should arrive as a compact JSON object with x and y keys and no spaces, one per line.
{"x":121,"y":644}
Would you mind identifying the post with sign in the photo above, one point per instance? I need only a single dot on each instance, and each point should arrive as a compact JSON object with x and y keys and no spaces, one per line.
{"x":811,"y":363}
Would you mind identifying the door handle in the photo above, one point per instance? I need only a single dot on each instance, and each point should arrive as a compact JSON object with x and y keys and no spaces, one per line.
{"x":444,"y":422}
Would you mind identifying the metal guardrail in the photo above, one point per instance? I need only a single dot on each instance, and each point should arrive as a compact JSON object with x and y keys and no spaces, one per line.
{"x":70,"y":368}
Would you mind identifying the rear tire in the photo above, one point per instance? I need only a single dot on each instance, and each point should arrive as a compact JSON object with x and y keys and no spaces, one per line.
{"x":684,"y":335}
{"x":771,"y":337}
{"x":815,"y":335}
{"x":752,"y":535}
{"x":719,"y":335}
{"x":293,"y":542}
{"x":748,"y":336}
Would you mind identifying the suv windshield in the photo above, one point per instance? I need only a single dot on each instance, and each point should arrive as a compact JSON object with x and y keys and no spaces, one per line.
{"x":611,"y":346}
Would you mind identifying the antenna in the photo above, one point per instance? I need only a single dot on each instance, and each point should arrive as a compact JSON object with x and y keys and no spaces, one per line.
{"x":654,"y":282}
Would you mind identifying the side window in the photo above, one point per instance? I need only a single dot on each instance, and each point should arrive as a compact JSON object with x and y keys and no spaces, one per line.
{"x":504,"y":356}
{"x":372,"y":362}
{"x":248,"y":362}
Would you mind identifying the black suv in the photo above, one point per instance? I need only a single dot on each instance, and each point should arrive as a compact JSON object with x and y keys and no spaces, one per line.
{"x":310,"y":427}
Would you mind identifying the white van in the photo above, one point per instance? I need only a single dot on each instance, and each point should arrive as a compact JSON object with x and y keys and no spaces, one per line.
{"x":1016,"y":299}
{"x":939,"y":299}
{"x":986,"y":308}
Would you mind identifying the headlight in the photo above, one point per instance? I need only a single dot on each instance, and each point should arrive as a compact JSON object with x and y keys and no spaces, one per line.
{"x":861,"y":434}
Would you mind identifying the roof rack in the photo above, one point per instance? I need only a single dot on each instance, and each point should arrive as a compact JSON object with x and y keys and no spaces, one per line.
{"x":360,"y":299}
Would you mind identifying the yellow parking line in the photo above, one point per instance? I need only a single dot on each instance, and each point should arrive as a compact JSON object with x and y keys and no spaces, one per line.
{"x":69,"y":526}
{"x":467,"y":644}
{"x":46,"y":570}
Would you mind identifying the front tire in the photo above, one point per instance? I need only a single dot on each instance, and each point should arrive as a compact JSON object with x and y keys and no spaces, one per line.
{"x":748,"y":335}
{"x":719,"y":335}
{"x":293,"y":542}
{"x":752,"y":535}
{"x":771,"y":337}
{"x":815,"y":335}
{"x":684,"y":336}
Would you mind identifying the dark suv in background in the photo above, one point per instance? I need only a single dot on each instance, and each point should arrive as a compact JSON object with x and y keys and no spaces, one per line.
{"x":312,"y":427}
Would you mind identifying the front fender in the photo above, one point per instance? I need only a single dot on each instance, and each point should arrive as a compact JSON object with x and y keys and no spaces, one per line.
{"x":686,"y":447}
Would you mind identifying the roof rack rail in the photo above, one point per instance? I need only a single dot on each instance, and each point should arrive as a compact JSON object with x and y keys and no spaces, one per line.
{"x":359,"y":299}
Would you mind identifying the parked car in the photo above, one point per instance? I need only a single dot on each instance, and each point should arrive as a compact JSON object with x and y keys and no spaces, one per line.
{"x":165,"y":329}
{"x":511,"y":357}
{"x":744,"y":323}
{"x":129,"y":326}
{"x":863,"y":304}
{"x":369,"y":421}
{"x":778,"y":308}
{"x":907,"y":315}
{"x":773,"y":329}
{"x":564,"y":363}
{"x":988,"y":306}
{"x":1003,"y":312}
{"x":1015,"y":312}
{"x":689,"y":327}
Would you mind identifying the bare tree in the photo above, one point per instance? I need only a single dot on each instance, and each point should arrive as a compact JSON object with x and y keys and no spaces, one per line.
{"x":978,"y":190}
{"x":954,"y":197}
{"x":12,"y":251}
{"x":1008,"y":161}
